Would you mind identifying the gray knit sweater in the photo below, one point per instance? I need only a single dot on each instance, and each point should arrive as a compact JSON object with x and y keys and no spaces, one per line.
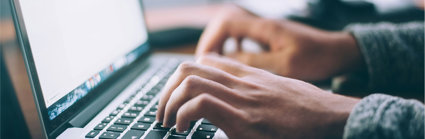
{"x":394,"y":56}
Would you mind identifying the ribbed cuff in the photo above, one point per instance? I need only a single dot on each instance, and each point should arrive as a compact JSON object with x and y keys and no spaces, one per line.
{"x":381,"y":116}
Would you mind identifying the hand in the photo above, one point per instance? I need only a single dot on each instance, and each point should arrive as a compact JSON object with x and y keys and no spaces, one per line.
{"x":291,"y":49}
{"x":247,"y":102}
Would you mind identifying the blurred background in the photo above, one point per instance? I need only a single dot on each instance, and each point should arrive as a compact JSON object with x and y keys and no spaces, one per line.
{"x":175,"y":26}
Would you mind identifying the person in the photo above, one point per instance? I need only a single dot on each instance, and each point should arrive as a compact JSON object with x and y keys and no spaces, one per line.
{"x":270,"y":98}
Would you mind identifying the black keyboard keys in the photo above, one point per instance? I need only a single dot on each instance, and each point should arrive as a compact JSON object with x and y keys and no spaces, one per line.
{"x":154,"y":107}
{"x":151,"y":113}
{"x":203,"y":135}
{"x":147,"y":119}
{"x":108,"y":119}
{"x":100,"y":126}
{"x":141,"y":126}
{"x":115,"y":112}
{"x":176,"y":137}
{"x":122,"y":106}
{"x":156,"y":134}
{"x":133,"y":134}
{"x":109,"y":135}
{"x":206,"y":128}
{"x":185,"y":133}
{"x":130,"y":115}
{"x":135,"y":109}
{"x":124,"y":121}
{"x":158,"y":126}
{"x":92,"y":134}
{"x":205,"y":121}
{"x":141,"y":103}
{"x":117,"y":128}
{"x":147,"y":97}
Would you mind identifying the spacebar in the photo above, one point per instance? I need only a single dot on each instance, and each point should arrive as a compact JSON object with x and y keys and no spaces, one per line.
{"x":156,"y":134}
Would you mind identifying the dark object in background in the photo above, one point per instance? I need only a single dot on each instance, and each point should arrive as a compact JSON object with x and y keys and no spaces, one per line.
{"x":174,"y":37}
{"x":12,"y":122}
{"x":336,"y":14}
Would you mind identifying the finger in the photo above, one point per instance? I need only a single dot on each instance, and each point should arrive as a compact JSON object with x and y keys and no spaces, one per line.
{"x":226,"y":64}
{"x":218,"y":31}
{"x":185,"y":69}
{"x":193,"y":86}
{"x":213,"y":37}
{"x":265,"y":60}
{"x":207,"y":106}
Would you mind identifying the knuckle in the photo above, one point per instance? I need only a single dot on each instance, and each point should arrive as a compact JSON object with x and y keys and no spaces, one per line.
{"x":186,"y":67}
{"x":203,"y":101}
{"x":203,"y":59}
{"x":270,"y":25}
{"x":253,"y":120}
{"x":191,"y":82}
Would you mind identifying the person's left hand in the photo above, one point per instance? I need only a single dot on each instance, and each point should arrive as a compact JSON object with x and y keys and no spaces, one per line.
{"x":247,"y":102}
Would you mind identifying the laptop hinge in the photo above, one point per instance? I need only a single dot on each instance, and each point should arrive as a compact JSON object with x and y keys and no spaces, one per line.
{"x":84,"y":117}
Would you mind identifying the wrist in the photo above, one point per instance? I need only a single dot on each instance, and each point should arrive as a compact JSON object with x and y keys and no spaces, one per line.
{"x":347,"y":52}
{"x":339,"y":110}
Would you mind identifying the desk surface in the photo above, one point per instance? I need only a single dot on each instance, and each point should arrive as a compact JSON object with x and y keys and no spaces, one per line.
{"x":156,"y":19}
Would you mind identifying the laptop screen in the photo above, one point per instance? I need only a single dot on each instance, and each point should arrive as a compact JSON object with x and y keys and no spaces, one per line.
{"x":77,"y":44}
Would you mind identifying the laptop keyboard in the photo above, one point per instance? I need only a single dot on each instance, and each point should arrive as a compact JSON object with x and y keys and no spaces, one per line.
{"x":135,"y":117}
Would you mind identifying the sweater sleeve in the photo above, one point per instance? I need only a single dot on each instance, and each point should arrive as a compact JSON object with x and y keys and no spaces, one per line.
{"x":385,"y":117}
{"x":394,"y":55}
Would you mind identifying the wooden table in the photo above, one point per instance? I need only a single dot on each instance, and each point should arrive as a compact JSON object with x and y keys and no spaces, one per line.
{"x":197,"y":16}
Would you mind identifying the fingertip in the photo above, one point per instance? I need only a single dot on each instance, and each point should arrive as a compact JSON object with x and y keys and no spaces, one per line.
{"x":159,"y":119}
{"x":181,"y":127}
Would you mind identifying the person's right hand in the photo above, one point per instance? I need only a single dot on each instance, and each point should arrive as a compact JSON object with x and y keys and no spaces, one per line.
{"x":291,"y":49}
{"x":250,"y":103}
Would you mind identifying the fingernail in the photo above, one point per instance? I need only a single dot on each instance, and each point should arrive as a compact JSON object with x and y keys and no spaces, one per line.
{"x":164,"y":124}
{"x":180,"y":129}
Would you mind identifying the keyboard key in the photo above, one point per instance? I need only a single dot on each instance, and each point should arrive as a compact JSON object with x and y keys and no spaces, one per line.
{"x":117,"y":128}
{"x":151,"y":113}
{"x":133,"y":134}
{"x":185,"y":133}
{"x":159,"y":126}
{"x":147,"y":119}
{"x":135,"y":109}
{"x":192,"y":124}
{"x":108,"y":119}
{"x":176,"y":137}
{"x":156,"y":134}
{"x":141,"y":103}
{"x":92,"y":134}
{"x":121,"y":106}
{"x":130,"y":115}
{"x":115,"y":112}
{"x":124,"y":121}
{"x":147,"y":97}
{"x":100,"y":126}
{"x":129,"y":99}
{"x":205,"y":121}
{"x":109,"y":135}
{"x":154,"y":107}
{"x":141,"y":126}
{"x":207,"y":128}
{"x":203,"y":135}
{"x":151,"y":93}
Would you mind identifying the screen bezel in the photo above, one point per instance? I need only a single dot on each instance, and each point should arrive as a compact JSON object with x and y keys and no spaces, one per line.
{"x":60,"y":122}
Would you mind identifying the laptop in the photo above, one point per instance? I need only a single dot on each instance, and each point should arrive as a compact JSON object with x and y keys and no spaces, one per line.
{"x":92,"y":72}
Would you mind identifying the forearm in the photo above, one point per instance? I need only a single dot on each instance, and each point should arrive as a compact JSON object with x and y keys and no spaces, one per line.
{"x":393,"y":55}
{"x":381,"y":116}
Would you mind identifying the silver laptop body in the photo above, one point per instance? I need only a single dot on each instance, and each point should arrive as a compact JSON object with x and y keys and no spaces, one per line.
{"x":92,"y":72}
